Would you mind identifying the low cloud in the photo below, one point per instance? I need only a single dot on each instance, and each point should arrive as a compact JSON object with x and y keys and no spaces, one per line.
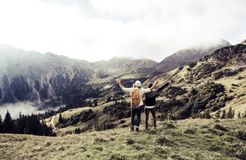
{"x":15,"y":109}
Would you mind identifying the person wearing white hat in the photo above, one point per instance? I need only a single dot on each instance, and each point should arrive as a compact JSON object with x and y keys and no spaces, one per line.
{"x":136,"y":92}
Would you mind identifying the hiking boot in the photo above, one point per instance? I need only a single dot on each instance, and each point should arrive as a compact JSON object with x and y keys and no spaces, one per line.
{"x":137,"y":129}
{"x":132,"y":129}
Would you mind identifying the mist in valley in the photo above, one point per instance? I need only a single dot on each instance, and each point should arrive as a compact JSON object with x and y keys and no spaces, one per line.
{"x":25,"y":108}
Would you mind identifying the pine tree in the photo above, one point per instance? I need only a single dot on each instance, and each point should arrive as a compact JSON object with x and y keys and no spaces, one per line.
{"x":46,"y":131}
{"x":223,"y":116}
{"x":8,"y":125}
{"x":239,"y":115}
{"x":95,"y":103}
{"x":217,"y":114}
{"x":33,"y":125}
{"x":233,"y":113}
{"x":1,"y":124}
{"x":60,"y":120}
{"x":230,"y":114}
{"x":21,"y":123}
{"x":77,"y":131}
{"x":90,"y":104}
{"x":108,"y":99}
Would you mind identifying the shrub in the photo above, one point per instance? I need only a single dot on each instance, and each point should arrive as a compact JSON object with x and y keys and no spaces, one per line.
{"x":219,"y":127}
{"x":241,"y":153}
{"x":218,"y":75}
{"x":130,"y":141}
{"x":190,"y":131}
{"x":241,"y":135}
{"x":99,"y":148}
{"x":99,"y":140}
{"x":216,"y":132}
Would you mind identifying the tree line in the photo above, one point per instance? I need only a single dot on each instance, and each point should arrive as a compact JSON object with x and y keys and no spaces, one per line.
{"x":221,"y":114}
{"x":229,"y":114}
{"x":24,"y":124}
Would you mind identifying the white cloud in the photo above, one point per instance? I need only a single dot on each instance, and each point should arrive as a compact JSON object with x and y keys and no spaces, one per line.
{"x":25,"y":108}
{"x":96,"y":29}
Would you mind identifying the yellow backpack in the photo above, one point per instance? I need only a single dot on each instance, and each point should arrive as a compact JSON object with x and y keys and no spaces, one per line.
{"x":135,"y":97}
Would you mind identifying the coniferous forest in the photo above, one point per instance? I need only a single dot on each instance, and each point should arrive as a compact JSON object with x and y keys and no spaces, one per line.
{"x":24,"y":124}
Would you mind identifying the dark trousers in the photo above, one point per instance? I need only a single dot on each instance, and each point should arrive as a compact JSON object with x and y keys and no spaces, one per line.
{"x":152,"y":110}
{"x":136,"y":112}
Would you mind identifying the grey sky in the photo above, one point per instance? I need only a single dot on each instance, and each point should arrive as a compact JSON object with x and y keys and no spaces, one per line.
{"x":101,"y":29}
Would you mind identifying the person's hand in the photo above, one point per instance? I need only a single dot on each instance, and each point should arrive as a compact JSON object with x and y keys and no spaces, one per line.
{"x":118,"y":81}
{"x":157,"y":81}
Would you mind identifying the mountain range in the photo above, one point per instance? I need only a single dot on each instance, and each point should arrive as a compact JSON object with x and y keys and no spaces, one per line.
{"x":200,"y":89}
{"x":49,"y":79}
{"x":32,"y":76}
{"x":192,"y":113}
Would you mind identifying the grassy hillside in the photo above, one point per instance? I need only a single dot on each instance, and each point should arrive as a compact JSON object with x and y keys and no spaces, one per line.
{"x":233,"y":97}
{"x":203,"y":73}
{"x":184,"y":139}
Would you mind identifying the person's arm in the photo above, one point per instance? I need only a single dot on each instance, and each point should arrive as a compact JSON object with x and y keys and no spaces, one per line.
{"x":155,"y":84}
{"x":128,"y":90}
{"x":163,"y":86}
{"x":150,"y":89}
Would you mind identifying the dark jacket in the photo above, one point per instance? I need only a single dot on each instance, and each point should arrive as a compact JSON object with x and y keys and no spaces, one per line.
{"x":150,"y":98}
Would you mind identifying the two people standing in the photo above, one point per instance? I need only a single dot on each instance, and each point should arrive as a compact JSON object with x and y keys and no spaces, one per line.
{"x":137,"y":92}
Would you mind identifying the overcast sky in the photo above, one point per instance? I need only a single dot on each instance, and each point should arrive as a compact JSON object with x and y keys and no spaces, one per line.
{"x":101,"y":29}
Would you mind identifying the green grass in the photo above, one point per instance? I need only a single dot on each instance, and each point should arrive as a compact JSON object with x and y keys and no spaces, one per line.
{"x":179,"y":140}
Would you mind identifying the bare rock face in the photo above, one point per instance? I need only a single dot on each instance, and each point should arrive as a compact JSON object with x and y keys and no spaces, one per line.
{"x":231,"y":54}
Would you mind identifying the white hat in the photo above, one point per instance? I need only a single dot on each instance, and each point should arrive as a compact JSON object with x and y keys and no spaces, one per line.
{"x":137,"y":83}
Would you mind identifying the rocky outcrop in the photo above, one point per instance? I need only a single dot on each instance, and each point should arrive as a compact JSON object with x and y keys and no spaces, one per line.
{"x":231,"y":55}
{"x":227,"y":72}
{"x":204,"y":70}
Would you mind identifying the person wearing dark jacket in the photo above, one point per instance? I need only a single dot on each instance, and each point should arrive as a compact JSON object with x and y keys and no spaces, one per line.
{"x":136,"y":92}
{"x":150,"y":102}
